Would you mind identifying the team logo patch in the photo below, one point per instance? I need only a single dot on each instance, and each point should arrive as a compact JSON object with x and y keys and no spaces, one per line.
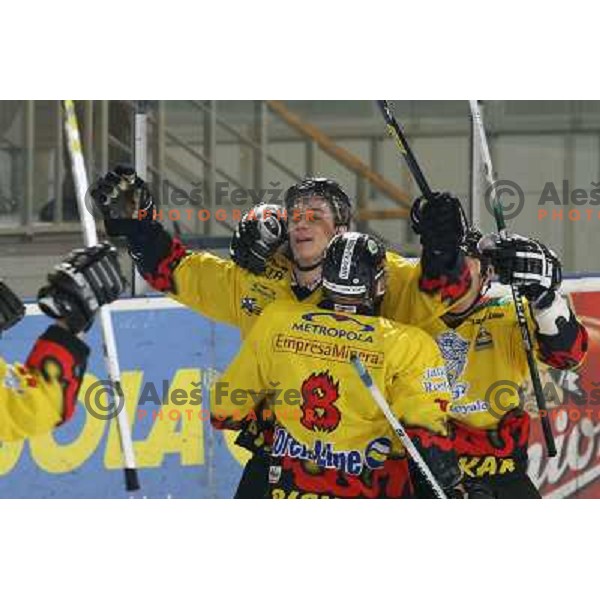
{"x":372,"y":246}
{"x":377,"y":452}
{"x":250,"y":306}
{"x":454,"y":351}
{"x":484,"y":339}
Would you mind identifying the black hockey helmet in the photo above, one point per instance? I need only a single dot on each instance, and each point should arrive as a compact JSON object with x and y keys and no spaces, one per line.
{"x":354,"y":273}
{"x":328,"y":189}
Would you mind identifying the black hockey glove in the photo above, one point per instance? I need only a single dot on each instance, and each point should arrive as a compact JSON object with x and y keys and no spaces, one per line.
{"x":123,"y":199}
{"x":443,"y":464}
{"x":526,"y":263}
{"x":128,"y":209}
{"x":12,"y":309}
{"x":86,"y":280}
{"x":440,"y":222}
{"x":258,"y":235}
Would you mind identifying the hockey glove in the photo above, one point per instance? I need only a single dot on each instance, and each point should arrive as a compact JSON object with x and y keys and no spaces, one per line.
{"x":526,"y":263}
{"x":79,"y":286}
{"x":123,"y":199}
{"x":12,"y":309}
{"x":440,"y":222}
{"x":258,"y":235}
{"x":442,"y":462}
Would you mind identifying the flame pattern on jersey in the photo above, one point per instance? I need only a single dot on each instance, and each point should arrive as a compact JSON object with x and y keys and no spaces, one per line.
{"x":330,"y":437}
{"x":451,"y":285}
{"x":161,"y":278}
{"x":567,"y":348}
{"x":55,"y":358}
{"x":40,"y":395}
{"x":392,"y":480}
{"x":216,"y":287}
{"x":510,"y":438}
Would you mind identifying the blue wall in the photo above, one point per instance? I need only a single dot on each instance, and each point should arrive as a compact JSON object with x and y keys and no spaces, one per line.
{"x":178,"y":452}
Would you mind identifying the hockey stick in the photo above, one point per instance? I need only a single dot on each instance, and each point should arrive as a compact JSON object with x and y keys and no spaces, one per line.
{"x":397,"y":427}
{"x":396,"y":132}
{"x":140,"y":136}
{"x":110,"y":347}
{"x":517,"y":298}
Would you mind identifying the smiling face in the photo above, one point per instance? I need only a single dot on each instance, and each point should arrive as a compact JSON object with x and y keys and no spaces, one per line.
{"x":311,"y":226}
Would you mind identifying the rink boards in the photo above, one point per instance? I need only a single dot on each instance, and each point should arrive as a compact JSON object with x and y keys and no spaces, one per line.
{"x":168,"y":352}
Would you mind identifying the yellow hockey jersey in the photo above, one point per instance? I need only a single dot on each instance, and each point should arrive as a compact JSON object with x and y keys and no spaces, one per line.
{"x":487,"y":369}
{"x":485,"y":361}
{"x":221,"y":290}
{"x":38,"y":396}
{"x":331,"y":439}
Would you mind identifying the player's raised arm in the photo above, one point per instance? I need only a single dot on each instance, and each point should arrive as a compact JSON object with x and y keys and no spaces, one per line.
{"x":42,"y":393}
{"x":417,"y":293}
{"x":199,"y":280}
{"x":441,"y":224}
{"x":561,"y":340}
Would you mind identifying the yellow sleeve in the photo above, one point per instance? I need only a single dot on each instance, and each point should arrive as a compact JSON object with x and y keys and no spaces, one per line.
{"x":210,"y":285}
{"x":404,"y":302}
{"x":41,"y":395}
{"x":29,"y":405}
{"x":237,"y":393}
{"x":417,"y":385}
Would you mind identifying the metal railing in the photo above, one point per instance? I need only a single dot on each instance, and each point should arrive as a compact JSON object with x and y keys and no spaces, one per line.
{"x":40,"y":199}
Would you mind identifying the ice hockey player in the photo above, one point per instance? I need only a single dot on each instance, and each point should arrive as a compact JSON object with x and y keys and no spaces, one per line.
{"x":481,"y":343}
{"x":442,"y":273}
{"x":331,"y":439}
{"x":237,"y":291}
{"x":41,"y":394}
